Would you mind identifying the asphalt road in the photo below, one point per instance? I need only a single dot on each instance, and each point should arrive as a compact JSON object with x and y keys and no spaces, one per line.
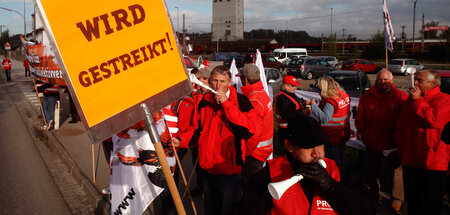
{"x":27,"y":186}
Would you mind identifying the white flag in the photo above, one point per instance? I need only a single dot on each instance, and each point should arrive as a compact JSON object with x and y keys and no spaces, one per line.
{"x":389,"y":37}
{"x":262,"y":74}
{"x":235,"y":80}
{"x":136,"y":175}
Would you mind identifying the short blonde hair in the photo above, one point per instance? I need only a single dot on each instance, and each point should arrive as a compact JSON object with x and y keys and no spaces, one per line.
{"x":329,"y":88}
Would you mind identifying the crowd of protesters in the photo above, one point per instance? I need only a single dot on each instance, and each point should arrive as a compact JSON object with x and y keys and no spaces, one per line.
{"x":232,"y":135}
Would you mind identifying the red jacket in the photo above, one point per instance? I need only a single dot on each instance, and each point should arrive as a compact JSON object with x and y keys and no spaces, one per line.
{"x":338,"y":128}
{"x":377,"y":116}
{"x":6,"y":64}
{"x":294,"y":200}
{"x":419,"y":128}
{"x":179,"y":116}
{"x":26,"y":64}
{"x":220,"y":142}
{"x":260,"y":146}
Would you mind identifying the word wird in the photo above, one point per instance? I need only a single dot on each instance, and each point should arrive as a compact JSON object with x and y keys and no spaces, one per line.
{"x":92,"y":27}
{"x":123,"y":205}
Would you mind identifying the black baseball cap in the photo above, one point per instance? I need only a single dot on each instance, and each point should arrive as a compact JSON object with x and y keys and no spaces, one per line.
{"x":305,"y":132}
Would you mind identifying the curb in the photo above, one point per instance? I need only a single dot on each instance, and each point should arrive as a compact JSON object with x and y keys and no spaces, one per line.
{"x":94,"y":196}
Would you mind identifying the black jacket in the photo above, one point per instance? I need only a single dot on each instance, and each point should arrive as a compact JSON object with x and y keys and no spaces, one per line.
{"x":344,"y":200}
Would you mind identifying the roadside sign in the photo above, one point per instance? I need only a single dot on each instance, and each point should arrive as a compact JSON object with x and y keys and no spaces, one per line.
{"x":115,"y":55}
{"x":7,"y":46}
{"x":435,"y":28}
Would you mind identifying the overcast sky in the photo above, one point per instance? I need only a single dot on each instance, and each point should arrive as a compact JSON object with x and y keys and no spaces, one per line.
{"x":361,"y":18}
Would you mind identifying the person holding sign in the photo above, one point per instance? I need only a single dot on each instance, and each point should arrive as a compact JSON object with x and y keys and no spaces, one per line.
{"x":51,"y":96}
{"x":425,"y":157}
{"x":220,"y":142}
{"x":376,"y":118}
{"x":319,"y":192}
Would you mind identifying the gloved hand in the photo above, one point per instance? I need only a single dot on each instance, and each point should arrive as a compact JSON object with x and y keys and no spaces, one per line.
{"x":315,"y":173}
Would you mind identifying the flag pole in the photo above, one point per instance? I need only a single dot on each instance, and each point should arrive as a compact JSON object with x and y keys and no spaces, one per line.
{"x":93,"y":163}
{"x":387,"y":66}
{"x":162,"y":160}
{"x":183,"y":176}
{"x":40,"y":102}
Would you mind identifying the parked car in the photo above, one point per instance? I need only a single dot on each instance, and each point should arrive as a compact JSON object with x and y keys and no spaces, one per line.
{"x":274,"y":78}
{"x":270,"y":61}
{"x":445,"y":80}
{"x":399,"y":65}
{"x":240,"y":60}
{"x":330,"y":60}
{"x":190,"y":63}
{"x":282,"y":55}
{"x":308,"y":68}
{"x":360,"y":65}
{"x":353,"y":82}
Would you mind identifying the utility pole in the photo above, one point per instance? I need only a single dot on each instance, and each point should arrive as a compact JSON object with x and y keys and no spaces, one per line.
{"x":403,"y":38}
{"x":331,"y":30}
{"x":343,"y":40}
{"x":322,"y":43}
{"x":414,"y":22}
{"x":423,"y":33}
{"x":184,"y":36}
{"x":24,"y":21}
{"x":177,"y":20}
{"x":286,"y":35}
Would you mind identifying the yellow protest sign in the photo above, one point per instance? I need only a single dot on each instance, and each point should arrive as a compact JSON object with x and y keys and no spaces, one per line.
{"x":117,"y":54}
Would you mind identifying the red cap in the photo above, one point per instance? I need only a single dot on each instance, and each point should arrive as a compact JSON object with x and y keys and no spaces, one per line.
{"x":289,"y":79}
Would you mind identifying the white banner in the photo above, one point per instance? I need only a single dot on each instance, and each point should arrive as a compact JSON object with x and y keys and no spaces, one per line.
{"x":262,"y":74}
{"x":136,"y":174}
{"x":355,"y":138}
{"x":235,"y":79}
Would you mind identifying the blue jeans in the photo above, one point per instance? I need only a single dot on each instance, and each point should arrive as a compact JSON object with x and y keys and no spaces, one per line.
{"x":48,"y":104}
{"x":222,"y":193}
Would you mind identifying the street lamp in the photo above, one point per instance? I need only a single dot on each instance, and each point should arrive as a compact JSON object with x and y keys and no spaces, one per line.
{"x":24,"y":22}
{"x":177,"y":19}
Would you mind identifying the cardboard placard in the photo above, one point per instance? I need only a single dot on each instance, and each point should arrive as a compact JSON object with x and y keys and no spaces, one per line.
{"x":115,"y":55}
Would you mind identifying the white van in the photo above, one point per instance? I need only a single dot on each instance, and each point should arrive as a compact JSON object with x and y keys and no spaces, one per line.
{"x":282,"y":55}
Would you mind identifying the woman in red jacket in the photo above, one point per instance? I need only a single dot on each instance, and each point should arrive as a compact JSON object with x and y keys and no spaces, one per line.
{"x":334,"y":115}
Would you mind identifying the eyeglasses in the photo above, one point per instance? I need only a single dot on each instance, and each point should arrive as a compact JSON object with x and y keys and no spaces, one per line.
{"x":420,"y":80}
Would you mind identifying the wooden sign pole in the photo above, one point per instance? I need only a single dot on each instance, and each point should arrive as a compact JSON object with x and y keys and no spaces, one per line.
{"x":162,"y":160}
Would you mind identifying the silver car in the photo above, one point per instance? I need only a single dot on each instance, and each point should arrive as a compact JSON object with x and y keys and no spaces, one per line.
{"x":330,"y":60}
{"x":399,"y":65}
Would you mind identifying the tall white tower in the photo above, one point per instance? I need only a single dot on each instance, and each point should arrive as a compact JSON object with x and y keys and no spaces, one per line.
{"x":228,"y":20}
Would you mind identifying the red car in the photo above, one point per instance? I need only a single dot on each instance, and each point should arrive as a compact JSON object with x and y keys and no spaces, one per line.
{"x":445,"y":80}
{"x":360,"y":65}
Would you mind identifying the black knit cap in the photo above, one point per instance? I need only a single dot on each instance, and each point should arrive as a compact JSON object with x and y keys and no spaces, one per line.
{"x":305,"y":132}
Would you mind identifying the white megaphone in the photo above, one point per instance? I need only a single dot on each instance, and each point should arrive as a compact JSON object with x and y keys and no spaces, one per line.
{"x":194,"y":80}
{"x":411,"y":71}
{"x":277,"y":189}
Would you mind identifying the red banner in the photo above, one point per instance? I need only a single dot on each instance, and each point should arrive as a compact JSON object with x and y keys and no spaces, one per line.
{"x":42,"y":63}
{"x":435,"y":28}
